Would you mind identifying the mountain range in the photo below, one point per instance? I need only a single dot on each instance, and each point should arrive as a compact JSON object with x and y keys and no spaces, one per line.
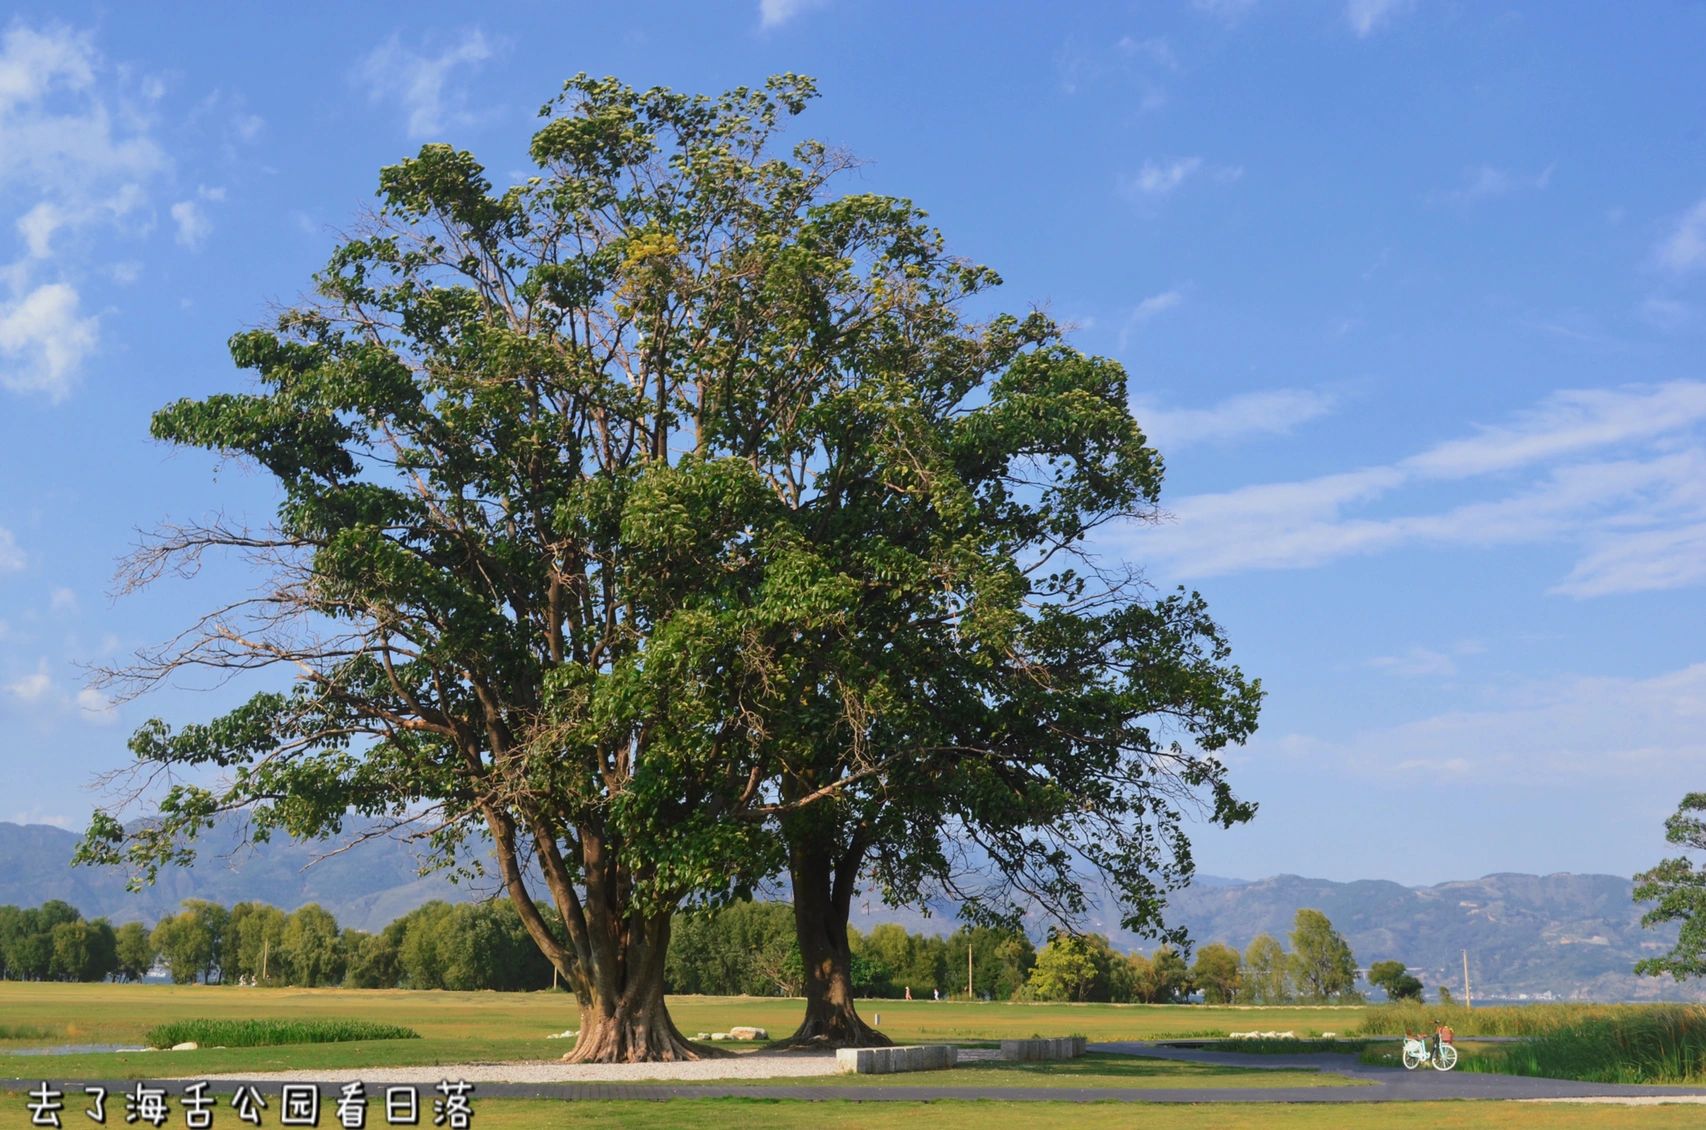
{"x":1561,"y":936}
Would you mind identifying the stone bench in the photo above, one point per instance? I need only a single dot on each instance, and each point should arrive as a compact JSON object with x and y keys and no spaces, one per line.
{"x":1062,"y":1047}
{"x":892,"y":1061}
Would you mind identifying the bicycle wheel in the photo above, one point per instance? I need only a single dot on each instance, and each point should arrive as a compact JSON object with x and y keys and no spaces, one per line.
{"x":1413,"y":1057}
{"x":1447,"y":1058}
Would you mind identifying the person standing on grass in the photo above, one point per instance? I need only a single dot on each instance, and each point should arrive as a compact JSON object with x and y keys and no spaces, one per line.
{"x":908,"y":993}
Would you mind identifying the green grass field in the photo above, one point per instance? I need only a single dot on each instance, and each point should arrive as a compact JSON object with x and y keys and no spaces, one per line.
{"x":464,"y":1027}
{"x":488,"y":1027}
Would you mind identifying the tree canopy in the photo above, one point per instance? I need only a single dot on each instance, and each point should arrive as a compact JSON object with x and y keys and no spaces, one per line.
{"x":1678,"y":891}
{"x":663,"y":520}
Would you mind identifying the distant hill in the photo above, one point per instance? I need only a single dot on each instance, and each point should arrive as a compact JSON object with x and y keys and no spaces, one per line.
{"x":1564,"y":936}
{"x":365,"y":887}
{"x":1568,"y":936}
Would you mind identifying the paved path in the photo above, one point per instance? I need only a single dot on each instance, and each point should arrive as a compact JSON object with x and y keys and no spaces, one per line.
{"x":1384,"y":1084}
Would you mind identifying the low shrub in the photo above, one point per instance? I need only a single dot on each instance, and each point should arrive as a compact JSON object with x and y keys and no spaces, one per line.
{"x":268,"y":1033}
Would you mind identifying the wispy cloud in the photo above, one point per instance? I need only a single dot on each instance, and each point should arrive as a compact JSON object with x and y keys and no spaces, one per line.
{"x":11,"y":557}
{"x":40,"y":696}
{"x":1147,"y":310}
{"x":421,"y":83}
{"x":1615,"y":730}
{"x":1619,"y":472}
{"x":775,"y":13}
{"x":1417,"y":662}
{"x":191,"y":217}
{"x":1157,"y":180}
{"x":44,"y":338}
{"x":1276,"y":412}
{"x":79,"y":154}
{"x":1368,"y":16}
{"x":1684,"y":249}
{"x":1488,"y":182}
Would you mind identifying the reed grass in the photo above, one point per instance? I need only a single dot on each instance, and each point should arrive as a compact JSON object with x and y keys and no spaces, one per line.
{"x":1654,"y":1045}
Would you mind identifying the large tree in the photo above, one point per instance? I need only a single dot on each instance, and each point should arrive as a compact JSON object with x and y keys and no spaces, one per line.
{"x":1677,"y":890}
{"x":664,"y":521}
{"x":558,"y":469}
{"x":1322,"y":965}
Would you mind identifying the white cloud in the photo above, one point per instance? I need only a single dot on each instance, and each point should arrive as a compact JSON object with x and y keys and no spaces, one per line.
{"x":1367,"y":16}
{"x":1151,"y":307}
{"x":11,"y":557}
{"x":62,"y":600}
{"x":33,"y":62}
{"x":96,"y":707}
{"x":1255,"y":413}
{"x":1565,"y":423}
{"x":43,"y":341}
{"x":1684,"y":249}
{"x":31,"y":688}
{"x":1487,"y":182}
{"x":78,"y":153}
{"x":1418,"y":661}
{"x":40,"y":695}
{"x":1666,"y":313}
{"x":775,"y":13}
{"x":1639,"y":516}
{"x":1609,"y":729}
{"x":1162,"y":178}
{"x":193,"y":224}
{"x":420,"y":83}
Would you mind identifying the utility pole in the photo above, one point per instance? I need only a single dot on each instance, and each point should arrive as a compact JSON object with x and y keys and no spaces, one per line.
{"x":265,"y":942}
{"x":969,"y":995}
{"x":1468,"y":1000}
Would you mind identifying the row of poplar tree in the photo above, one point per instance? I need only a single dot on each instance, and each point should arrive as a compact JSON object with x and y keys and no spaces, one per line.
{"x":747,"y":948}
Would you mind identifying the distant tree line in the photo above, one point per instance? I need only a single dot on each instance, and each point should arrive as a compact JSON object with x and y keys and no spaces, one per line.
{"x":748,"y":948}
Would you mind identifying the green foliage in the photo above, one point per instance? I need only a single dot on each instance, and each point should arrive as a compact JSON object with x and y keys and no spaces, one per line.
{"x":1392,"y":977}
{"x":1678,"y":891}
{"x":54,"y":942}
{"x":746,"y":948}
{"x":664,"y":517}
{"x":1217,"y":972}
{"x":272,"y":1033}
{"x":1652,"y":1045}
{"x":1267,"y":972}
{"x":134,"y":950}
{"x":192,"y":942}
{"x":1074,"y":967}
{"x":1322,"y":965}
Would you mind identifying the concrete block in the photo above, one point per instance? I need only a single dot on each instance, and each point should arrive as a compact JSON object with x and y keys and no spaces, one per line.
{"x":1059,"y":1047}
{"x":892,"y":1061}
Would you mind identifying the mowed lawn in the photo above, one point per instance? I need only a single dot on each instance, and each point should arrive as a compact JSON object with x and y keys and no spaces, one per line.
{"x":495,"y":1027}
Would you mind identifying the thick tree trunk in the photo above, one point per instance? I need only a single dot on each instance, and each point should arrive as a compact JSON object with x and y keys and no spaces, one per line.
{"x":823,"y":899}
{"x":623,"y":1015}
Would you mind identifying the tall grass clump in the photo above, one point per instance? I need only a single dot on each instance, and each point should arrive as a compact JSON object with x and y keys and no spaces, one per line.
{"x":1654,"y":1045}
{"x":1527,"y":1020}
{"x":24,"y":1032}
{"x":269,"y":1033}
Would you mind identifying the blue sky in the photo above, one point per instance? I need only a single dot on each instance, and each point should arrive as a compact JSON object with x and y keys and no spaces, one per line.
{"x":1412,"y":296}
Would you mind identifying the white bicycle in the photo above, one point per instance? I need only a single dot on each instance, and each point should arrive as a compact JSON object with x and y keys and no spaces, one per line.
{"x":1416,"y":1054}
